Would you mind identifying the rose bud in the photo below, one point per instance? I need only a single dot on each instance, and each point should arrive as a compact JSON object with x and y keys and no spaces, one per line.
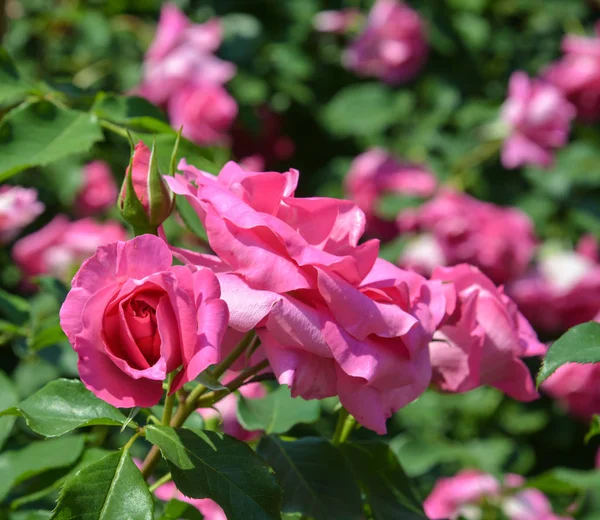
{"x":145,"y":199}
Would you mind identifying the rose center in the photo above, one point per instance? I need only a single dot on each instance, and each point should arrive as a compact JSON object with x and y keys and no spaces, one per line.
{"x":141,"y":319}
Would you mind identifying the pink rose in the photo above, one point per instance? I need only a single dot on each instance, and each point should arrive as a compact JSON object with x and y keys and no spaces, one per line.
{"x":98,"y":191}
{"x":539,"y":119}
{"x":392,"y":47}
{"x":561,"y":291}
{"x":422,"y":254}
{"x":337,"y":22}
{"x":332,"y":318}
{"x":530,"y":504}
{"x":226,"y":411}
{"x":59,"y":247}
{"x":577,"y":74}
{"x":499,"y":241}
{"x":210,"y":509}
{"x":577,"y":387}
{"x":483,"y":338}
{"x":180,"y":55}
{"x":18,"y":208}
{"x":375,"y":173}
{"x":132,"y":318}
{"x":204,"y":111}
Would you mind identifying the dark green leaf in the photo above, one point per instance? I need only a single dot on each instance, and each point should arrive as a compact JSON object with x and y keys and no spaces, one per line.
{"x":581,"y":344}
{"x":388,"y":490}
{"x":216,"y":466}
{"x":177,"y":510}
{"x":566,"y":481}
{"x":35,"y":458}
{"x":110,"y":489}
{"x":36,"y":134}
{"x":315,"y":478}
{"x":48,"y":336}
{"x":63,"y":405}
{"x":13,"y":307}
{"x":31,"y":515}
{"x":132,"y":111}
{"x":12,"y":87}
{"x":277,"y":412}
{"x":594,"y":428}
{"x":8,"y":397}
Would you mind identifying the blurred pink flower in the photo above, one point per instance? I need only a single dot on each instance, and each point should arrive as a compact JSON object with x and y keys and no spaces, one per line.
{"x":422,"y":254}
{"x":58,"y":248}
{"x":209,"y":508}
{"x":577,"y":387}
{"x":539,"y":119}
{"x":98,"y":191}
{"x":337,"y":22}
{"x":392,"y":47}
{"x":530,"y":504}
{"x":499,"y":241}
{"x":483,"y":338}
{"x":376,"y":173}
{"x":577,"y":74}
{"x":205,"y":111}
{"x":18,"y":208}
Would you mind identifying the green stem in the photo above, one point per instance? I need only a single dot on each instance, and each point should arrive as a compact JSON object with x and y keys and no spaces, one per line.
{"x":220,"y":369}
{"x":169,"y":402}
{"x":133,"y":438}
{"x":162,"y":480}
{"x":114,"y":128}
{"x":344,"y":427}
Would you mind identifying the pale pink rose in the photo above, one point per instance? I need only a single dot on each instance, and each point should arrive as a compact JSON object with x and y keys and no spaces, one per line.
{"x":483,"y":339}
{"x":530,"y":504}
{"x":577,"y":387}
{"x":422,"y":254}
{"x":577,"y":74}
{"x":539,"y":119}
{"x":180,"y":55}
{"x":132,"y":318}
{"x":18,"y":208}
{"x":98,"y":191}
{"x":499,"y":241}
{"x":392,"y":47}
{"x":457,"y":495}
{"x":376,"y":173}
{"x":58,"y":248}
{"x":253,"y":163}
{"x":561,"y":291}
{"x":226,"y":410}
{"x":209,"y":508}
{"x":332,"y":318}
{"x":337,"y":22}
{"x":206,"y":112}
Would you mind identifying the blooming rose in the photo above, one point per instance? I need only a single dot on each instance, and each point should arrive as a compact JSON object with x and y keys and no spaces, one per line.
{"x":205,"y":111}
{"x":337,"y":22}
{"x":577,"y":387}
{"x":561,"y":291}
{"x":59,"y":247}
{"x":18,"y":208}
{"x":375,"y":173}
{"x":392,"y":47}
{"x":180,"y":55}
{"x":483,"y":338}
{"x":539,"y":119}
{"x":98,"y":191}
{"x":332,"y":318}
{"x":133,"y":318}
{"x":499,"y":241}
{"x":577,"y":74}
{"x":209,"y":508}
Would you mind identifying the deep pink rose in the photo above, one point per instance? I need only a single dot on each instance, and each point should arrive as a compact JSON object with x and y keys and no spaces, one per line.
{"x":332,"y":318}
{"x":181,"y":55}
{"x":577,"y":74}
{"x":98,"y":191}
{"x":18,"y":208}
{"x":133,"y":318}
{"x":205,"y":112}
{"x":376,"y":173}
{"x":483,"y":338}
{"x":577,"y":387}
{"x":561,"y":291}
{"x":209,"y":508}
{"x":59,"y":247}
{"x":337,"y":22}
{"x":226,"y":410}
{"x":392,"y":47}
{"x":500,"y":241}
{"x":539,"y":119}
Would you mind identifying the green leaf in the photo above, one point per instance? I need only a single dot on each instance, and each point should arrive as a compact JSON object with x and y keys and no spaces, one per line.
{"x":177,"y":510}
{"x":315,"y":478}
{"x":36,"y":134}
{"x":35,"y":458}
{"x":277,"y":412}
{"x":131,"y":111}
{"x":12,"y":87}
{"x":63,"y":405}
{"x":8,"y":397}
{"x":594,"y":428}
{"x":389,"y":205}
{"x":48,"y":336}
{"x":110,"y":489}
{"x":190,"y":218}
{"x":566,"y":481}
{"x":209,"y":381}
{"x":13,"y":307}
{"x":31,"y":515}
{"x":216,"y":466}
{"x":581,"y":344}
{"x":388,"y":490}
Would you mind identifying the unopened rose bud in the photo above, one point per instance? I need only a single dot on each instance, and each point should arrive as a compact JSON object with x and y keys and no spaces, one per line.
{"x":145,"y":199}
